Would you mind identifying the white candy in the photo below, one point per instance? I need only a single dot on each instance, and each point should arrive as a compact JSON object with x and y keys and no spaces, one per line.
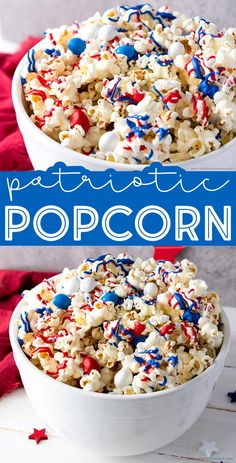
{"x":71,"y":286}
{"x":108,"y":141}
{"x":87,"y":284}
{"x":176,"y":49}
{"x":107,"y":33}
{"x":89,"y":32}
{"x":150,"y":289}
{"x":123,"y":378}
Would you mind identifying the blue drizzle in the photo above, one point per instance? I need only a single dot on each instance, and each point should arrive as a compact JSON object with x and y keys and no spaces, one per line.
{"x":115,"y":331}
{"x":201,"y":33}
{"x":133,"y":287}
{"x":52,"y":52}
{"x":139,"y":130}
{"x":137,"y":160}
{"x":174,"y":359}
{"x":180,"y":300}
{"x":31,"y":59}
{"x":165,"y":15}
{"x":156,"y":43}
{"x":191,"y":317}
{"x":167,"y":62}
{"x":152,"y":351}
{"x":152,"y":363}
{"x":163,"y":133}
{"x":134,"y":339}
{"x":125,"y":261}
{"x":206,"y":88}
{"x":204,"y":20}
{"x":43,"y":310}
{"x":160,"y":94}
{"x":21,"y":342}
{"x":139,"y":360}
{"x":26,"y":323}
{"x":165,"y":273}
{"x":163,"y":382}
{"x":196,"y":67}
{"x":114,"y":20}
{"x":111,"y":93}
{"x":150,"y":155}
{"x":136,"y":8}
{"x":102,"y":257}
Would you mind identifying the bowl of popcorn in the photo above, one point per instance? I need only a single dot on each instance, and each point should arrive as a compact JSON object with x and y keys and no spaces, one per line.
{"x":126,"y":88}
{"x":120,"y":356}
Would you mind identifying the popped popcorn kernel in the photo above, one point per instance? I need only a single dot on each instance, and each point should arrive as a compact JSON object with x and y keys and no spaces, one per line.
{"x":119,"y":326}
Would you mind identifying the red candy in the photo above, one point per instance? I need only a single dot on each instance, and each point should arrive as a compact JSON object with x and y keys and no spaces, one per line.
{"x":89,"y":364}
{"x":80,"y":118}
{"x":138,"y":328}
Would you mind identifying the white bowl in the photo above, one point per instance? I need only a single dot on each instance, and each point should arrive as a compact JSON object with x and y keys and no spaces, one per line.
{"x":45,"y":152}
{"x":112,"y":424}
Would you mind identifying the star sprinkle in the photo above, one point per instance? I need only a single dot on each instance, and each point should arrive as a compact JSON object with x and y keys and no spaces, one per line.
{"x":232,"y":396}
{"x":38,"y":435}
{"x":208,"y":448}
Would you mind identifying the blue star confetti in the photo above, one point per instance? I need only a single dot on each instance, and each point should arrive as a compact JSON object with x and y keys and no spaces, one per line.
{"x":232,"y":396}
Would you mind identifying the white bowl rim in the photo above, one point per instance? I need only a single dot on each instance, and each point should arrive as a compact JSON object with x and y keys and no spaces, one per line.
{"x":20,"y":109}
{"x":17,"y":348}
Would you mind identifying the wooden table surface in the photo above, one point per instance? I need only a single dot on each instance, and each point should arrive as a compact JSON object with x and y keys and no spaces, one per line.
{"x":217,"y":423}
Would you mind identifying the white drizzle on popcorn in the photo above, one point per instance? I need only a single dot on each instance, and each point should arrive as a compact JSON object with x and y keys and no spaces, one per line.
{"x":120,"y":326}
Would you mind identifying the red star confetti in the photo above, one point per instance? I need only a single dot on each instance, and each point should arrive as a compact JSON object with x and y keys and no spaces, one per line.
{"x":38,"y":435}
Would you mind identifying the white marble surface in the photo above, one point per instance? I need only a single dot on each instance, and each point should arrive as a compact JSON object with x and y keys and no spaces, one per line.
{"x":19,"y":18}
{"x":217,"y":423}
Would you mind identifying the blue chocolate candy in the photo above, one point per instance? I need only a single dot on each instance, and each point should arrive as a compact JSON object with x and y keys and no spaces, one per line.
{"x":112,"y":297}
{"x":127,"y":50}
{"x":61,"y":301}
{"x":76,"y":45}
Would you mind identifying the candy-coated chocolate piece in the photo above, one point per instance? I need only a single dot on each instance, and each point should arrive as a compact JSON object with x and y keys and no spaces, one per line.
{"x":78,"y":117}
{"x":89,"y":364}
{"x":61,"y":301}
{"x":76,"y":45}
{"x":127,"y":50}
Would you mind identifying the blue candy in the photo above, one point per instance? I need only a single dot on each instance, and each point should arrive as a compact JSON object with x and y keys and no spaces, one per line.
{"x":76,"y":45}
{"x":127,"y":50}
{"x":61,"y":301}
{"x":112,"y":297}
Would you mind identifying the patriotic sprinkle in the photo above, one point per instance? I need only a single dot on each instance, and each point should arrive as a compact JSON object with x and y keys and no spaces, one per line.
{"x":88,"y":80}
{"x":128,"y":326}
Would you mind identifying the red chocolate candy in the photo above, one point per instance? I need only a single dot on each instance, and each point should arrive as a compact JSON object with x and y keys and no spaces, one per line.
{"x":80,"y":118}
{"x":89,"y":364}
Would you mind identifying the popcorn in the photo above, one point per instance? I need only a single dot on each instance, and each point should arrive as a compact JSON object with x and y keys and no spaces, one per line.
{"x":153,"y":84}
{"x":120,"y":326}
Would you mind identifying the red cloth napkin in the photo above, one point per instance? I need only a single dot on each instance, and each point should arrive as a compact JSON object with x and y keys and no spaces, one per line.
{"x":13,"y":154}
{"x":12,"y":283}
{"x":167,"y":252}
